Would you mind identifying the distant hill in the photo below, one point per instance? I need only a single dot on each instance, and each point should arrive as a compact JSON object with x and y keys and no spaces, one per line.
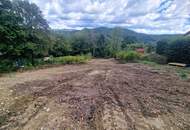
{"x":187,"y":34}
{"x":138,"y":37}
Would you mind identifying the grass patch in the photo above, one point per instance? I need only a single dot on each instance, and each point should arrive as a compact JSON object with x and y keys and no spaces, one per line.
{"x":68,"y":60}
{"x":183,"y":73}
{"x":3,"y":119}
{"x":148,"y":63}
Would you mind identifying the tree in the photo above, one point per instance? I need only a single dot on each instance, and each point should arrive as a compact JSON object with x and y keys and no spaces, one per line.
{"x":100,"y":50}
{"x":150,"y":48}
{"x":12,"y":36}
{"x":80,"y":45}
{"x":61,"y":47}
{"x":127,"y":41}
{"x":22,"y":31}
{"x":31,"y":14}
{"x":36,"y":28}
{"x":92,"y":40}
{"x":162,"y":47}
{"x":115,"y":41}
{"x":179,"y":51}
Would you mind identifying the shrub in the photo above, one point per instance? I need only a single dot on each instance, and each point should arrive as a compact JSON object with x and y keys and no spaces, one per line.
{"x":179,"y":51}
{"x":155,"y":58}
{"x":128,"y":56}
{"x":6,"y":66}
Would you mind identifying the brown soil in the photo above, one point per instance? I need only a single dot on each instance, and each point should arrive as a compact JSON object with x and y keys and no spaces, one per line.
{"x":100,"y":95}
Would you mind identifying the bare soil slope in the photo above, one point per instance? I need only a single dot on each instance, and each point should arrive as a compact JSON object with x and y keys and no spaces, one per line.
{"x":100,"y":95}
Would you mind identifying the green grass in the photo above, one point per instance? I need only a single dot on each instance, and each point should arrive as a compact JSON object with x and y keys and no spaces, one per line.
{"x":69,"y":60}
{"x":183,"y":73}
{"x":148,"y":63}
{"x":3,"y":119}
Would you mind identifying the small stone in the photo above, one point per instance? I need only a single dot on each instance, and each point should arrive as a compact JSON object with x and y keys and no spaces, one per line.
{"x":47,"y":109}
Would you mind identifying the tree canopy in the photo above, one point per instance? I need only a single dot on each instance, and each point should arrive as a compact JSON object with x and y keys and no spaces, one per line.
{"x":23,"y":31}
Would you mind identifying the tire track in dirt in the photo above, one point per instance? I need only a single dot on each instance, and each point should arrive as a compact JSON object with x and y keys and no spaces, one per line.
{"x":115,"y":114}
{"x":106,"y":95}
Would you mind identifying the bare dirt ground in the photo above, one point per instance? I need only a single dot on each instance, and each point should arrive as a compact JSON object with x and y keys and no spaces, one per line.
{"x":99,"y":95}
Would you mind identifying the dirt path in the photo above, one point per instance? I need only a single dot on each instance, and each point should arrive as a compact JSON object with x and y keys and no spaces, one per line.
{"x":100,"y":95}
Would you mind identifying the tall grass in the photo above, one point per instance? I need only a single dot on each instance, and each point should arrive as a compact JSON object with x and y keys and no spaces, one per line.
{"x":69,"y":59}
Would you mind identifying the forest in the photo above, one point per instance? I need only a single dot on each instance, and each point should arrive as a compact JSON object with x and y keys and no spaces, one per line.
{"x":26,"y":38}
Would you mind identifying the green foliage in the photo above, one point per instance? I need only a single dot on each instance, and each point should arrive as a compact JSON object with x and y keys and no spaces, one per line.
{"x":25,"y":39}
{"x":22,"y":32}
{"x":3,"y":119}
{"x":6,"y":66}
{"x":150,"y":48}
{"x":179,"y":51}
{"x":176,"y":50}
{"x":31,"y":15}
{"x":100,"y":50}
{"x":182,"y":75}
{"x":116,"y":40}
{"x":162,"y":47}
{"x":60,"y":48}
{"x":128,"y":56}
{"x":155,"y":58}
{"x":69,"y":59}
{"x":127,"y":41}
{"x":80,"y":46}
{"x":148,"y":63}
{"x":133,"y":47}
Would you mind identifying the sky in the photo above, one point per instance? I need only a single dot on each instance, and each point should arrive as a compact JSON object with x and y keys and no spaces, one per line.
{"x":145,"y":16}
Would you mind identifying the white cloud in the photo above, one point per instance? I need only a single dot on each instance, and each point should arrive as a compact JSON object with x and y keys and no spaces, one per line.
{"x":148,"y":16}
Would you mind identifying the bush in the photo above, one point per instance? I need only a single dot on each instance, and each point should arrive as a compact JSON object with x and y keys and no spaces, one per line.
{"x":129,"y":56}
{"x":6,"y":66}
{"x":155,"y":58}
{"x":179,"y":51}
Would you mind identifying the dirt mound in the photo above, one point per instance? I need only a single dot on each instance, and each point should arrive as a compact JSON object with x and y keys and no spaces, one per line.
{"x":106,"y":95}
